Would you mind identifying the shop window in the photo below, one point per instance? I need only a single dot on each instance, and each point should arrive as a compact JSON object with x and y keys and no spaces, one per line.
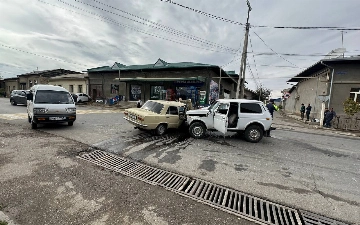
{"x":135,"y":92}
{"x":156,"y":92}
{"x":71,"y":88}
{"x":80,"y":89}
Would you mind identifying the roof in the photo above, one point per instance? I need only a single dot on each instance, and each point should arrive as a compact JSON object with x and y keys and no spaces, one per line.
{"x":239,"y":100}
{"x":320,"y":65}
{"x":49,"y":73}
{"x":173,"y":103}
{"x":160,"y":64}
{"x":70,"y":76}
{"x":48,"y":87}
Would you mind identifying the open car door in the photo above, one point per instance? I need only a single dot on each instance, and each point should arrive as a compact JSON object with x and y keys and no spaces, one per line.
{"x":221,"y":117}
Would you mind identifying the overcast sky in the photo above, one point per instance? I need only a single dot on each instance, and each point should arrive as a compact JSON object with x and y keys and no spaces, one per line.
{"x":83,"y":36}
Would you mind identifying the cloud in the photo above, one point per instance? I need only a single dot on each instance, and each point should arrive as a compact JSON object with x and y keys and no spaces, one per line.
{"x":81,"y":34}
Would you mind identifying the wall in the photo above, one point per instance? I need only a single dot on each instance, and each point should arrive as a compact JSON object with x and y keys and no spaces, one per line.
{"x":308,"y":92}
{"x":65,"y":83}
{"x":11,"y":85}
{"x":345,"y":78}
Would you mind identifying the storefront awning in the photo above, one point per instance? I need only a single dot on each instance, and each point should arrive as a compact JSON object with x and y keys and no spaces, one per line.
{"x":147,"y":79}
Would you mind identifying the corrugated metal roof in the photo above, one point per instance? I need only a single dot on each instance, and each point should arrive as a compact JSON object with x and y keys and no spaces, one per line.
{"x":319,"y":66}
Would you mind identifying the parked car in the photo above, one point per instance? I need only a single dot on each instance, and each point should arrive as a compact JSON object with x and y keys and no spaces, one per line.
{"x":18,"y":97}
{"x":82,"y":97}
{"x":247,"y":117}
{"x":50,"y":104}
{"x":157,"y":116}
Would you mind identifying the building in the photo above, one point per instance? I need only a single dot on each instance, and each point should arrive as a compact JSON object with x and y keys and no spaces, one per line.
{"x":162,"y":80}
{"x":332,"y":79}
{"x":27,"y":80}
{"x":74,"y":83}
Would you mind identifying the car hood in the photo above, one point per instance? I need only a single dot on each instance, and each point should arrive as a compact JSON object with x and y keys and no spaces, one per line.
{"x":197,"y":112}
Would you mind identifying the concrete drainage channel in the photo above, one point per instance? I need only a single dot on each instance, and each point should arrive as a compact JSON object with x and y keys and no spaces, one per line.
{"x":217,"y":196}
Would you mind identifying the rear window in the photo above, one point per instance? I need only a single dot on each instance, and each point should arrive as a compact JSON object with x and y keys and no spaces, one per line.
{"x":153,"y":106}
{"x":250,"y":108}
{"x":53,"y":97}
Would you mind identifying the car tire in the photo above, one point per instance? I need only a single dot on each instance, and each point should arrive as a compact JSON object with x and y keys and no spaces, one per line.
{"x":197,"y":130}
{"x":160,"y":129}
{"x":33,"y":125}
{"x":29,"y":119}
{"x":70,"y":123}
{"x":13,"y":102}
{"x":253,"y":133}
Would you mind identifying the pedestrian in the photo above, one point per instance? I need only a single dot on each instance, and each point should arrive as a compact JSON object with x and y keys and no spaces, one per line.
{"x":271,"y":108}
{"x":302,"y":111}
{"x":75,"y":97}
{"x":139,"y":103}
{"x":308,"y":110}
{"x":329,"y":116}
{"x":324,"y":120}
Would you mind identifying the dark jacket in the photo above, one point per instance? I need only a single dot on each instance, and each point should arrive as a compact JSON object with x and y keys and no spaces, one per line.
{"x":308,"y":109}
{"x":302,"y":109}
{"x":330,"y":115}
{"x":271,"y":108}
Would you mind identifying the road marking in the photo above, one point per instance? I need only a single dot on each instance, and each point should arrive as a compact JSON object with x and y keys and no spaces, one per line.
{"x":22,"y":116}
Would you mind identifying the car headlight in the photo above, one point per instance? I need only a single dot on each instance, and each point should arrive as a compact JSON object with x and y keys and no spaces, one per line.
{"x":70,"y":110}
{"x":40,"y":110}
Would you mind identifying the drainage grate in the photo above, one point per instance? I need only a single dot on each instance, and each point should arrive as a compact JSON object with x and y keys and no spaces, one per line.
{"x":217,"y":196}
{"x":314,"y":219}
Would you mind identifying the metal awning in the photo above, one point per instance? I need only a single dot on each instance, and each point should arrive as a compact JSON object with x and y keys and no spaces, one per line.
{"x":147,"y":79}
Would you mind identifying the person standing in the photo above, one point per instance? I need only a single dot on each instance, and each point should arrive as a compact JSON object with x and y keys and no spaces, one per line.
{"x":139,"y":103}
{"x":302,"y":111}
{"x":325,"y":112}
{"x":271,"y":108}
{"x":329,"y":116}
{"x":308,"y":110}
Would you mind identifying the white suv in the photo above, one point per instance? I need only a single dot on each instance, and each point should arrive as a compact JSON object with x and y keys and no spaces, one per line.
{"x":248,"y":117}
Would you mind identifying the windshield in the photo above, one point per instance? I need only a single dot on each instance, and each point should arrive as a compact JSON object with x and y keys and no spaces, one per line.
{"x":53,"y":97}
{"x":153,"y":106}
{"x":213,"y":105}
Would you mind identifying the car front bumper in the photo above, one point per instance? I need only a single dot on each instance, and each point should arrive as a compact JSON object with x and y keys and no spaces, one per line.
{"x":55,"y":118}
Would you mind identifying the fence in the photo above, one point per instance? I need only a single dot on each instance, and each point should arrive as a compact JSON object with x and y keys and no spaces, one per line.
{"x":347,"y":123}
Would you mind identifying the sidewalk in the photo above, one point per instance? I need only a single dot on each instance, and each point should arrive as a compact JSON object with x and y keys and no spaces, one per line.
{"x":316,"y":125}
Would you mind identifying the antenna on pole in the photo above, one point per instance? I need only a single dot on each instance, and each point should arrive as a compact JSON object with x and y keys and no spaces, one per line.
{"x":342,"y":40}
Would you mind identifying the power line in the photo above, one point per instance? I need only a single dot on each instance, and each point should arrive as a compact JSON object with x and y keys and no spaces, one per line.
{"x":152,"y":26}
{"x":190,"y":36}
{"x":252,"y":50}
{"x":261,"y":26}
{"x":204,"y":13}
{"x":107,"y":20}
{"x":280,"y":66}
{"x":46,"y":57}
{"x":290,"y":54}
{"x":274,"y":51}
{"x":252,"y":74}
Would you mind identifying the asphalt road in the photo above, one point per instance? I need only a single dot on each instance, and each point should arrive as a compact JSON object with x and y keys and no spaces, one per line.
{"x":307,"y":169}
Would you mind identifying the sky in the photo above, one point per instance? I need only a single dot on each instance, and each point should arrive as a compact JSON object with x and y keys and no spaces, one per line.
{"x":82,"y":34}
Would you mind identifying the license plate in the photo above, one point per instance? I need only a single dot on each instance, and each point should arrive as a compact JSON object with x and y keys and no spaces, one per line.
{"x":57,"y":118}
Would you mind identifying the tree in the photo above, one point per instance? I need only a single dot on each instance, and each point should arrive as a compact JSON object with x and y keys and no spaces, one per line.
{"x":351,"y":107}
{"x":262,"y":93}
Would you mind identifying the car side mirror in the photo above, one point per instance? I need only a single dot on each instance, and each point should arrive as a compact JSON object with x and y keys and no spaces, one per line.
{"x":29,"y":96}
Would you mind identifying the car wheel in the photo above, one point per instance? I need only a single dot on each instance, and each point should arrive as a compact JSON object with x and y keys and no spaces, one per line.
{"x":197,"y":130}
{"x":70,"y":123}
{"x":253,"y":133}
{"x":79,"y":101}
{"x":29,"y":119}
{"x":33,"y":125}
{"x":161,"y":129}
{"x":13,"y":102}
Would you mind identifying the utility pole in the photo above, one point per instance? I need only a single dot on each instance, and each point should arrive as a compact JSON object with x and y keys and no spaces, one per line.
{"x":241,"y":81}
{"x":342,"y":41}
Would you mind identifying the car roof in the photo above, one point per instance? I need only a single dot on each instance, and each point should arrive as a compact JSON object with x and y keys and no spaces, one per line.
{"x":238,"y":100}
{"x":173,"y":103}
{"x":48,"y":87}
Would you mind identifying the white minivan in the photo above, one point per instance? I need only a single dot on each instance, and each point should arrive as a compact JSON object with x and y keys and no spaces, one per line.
{"x":50,"y":104}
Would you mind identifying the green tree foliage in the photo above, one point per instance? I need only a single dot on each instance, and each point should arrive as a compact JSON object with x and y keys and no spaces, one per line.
{"x":351,"y":107}
{"x":261,"y":93}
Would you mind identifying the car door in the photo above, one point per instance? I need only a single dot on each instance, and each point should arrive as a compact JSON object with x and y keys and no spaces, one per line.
{"x":172,"y":117}
{"x":22,"y":98}
{"x":221,"y":117}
